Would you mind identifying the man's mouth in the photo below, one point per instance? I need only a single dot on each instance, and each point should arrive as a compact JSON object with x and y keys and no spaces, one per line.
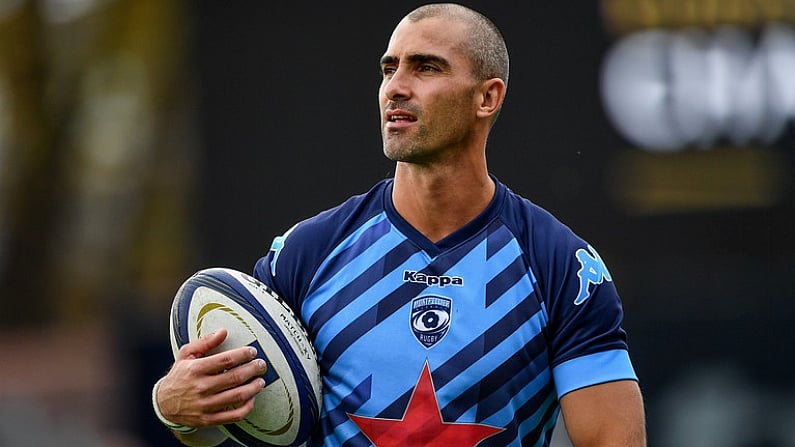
{"x":401,"y":118}
{"x":397,"y":117}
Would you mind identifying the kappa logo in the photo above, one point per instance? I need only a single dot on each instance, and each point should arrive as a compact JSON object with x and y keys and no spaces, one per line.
{"x":432,"y":280}
{"x":430,"y":319}
{"x":592,"y":271}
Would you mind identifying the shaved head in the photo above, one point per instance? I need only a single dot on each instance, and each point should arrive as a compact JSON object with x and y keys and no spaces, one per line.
{"x":485,"y":46}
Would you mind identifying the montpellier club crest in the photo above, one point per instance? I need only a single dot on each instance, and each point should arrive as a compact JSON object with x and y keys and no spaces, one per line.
{"x":430,"y":319}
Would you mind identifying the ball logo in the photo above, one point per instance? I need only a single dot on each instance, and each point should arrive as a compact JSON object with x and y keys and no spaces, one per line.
{"x":430,"y":319}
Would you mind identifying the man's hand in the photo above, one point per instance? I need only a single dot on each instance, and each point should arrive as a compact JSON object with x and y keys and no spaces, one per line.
{"x":204,"y":390}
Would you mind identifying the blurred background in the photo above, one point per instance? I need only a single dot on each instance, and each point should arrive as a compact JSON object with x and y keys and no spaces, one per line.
{"x":142,"y":140}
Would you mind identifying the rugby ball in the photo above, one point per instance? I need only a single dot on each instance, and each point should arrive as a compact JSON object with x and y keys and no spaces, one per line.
{"x":287,"y":409}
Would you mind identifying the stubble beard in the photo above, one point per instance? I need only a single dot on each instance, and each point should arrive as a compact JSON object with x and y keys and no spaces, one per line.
{"x":429,"y":141}
{"x":404,"y":148}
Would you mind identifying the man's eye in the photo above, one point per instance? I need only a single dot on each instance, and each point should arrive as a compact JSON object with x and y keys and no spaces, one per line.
{"x":386,"y":71}
{"x":427,"y":68}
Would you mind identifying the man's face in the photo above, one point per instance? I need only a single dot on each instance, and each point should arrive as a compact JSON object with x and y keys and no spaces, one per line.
{"x":427,"y":94}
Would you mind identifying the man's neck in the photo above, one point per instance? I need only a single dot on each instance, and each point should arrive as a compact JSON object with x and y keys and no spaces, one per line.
{"x":437,"y":202}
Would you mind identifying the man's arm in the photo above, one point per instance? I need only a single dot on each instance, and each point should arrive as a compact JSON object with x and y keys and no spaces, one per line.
{"x":605,"y":415}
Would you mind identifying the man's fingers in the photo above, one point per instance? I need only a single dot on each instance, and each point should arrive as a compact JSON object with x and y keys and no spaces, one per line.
{"x":231,"y":414}
{"x":234,"y":397}
{"x":223,"y":371}
{"x":229,"y":359}
{"x":237,"y":375}
{"x":212,"y":398}
{"x":199,"y":348}
{"x":223,"y":362}
{"x":204,"y":364}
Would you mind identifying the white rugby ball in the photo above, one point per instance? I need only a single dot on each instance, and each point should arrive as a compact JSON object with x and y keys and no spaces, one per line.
{"x":287,"y":409}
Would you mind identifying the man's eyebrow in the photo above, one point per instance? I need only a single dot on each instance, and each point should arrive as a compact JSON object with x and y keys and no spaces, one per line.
{"x":416,"y":59}
{"x":386,"y":60}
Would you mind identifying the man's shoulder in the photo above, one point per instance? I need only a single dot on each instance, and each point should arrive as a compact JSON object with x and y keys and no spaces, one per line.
{"x":298,"y":252}
{"x":329,"y":225}
{"x":521,"y":212}
{"x":544,"y":237}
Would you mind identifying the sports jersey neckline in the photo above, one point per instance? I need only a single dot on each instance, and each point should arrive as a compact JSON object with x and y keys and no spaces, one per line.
{"x":470,"y":229}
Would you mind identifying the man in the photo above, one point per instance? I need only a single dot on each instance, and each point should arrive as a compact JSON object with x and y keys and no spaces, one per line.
{"x":446,"y":310}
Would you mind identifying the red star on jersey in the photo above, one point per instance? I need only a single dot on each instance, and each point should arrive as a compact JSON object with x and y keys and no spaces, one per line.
{"x":422,"y":423}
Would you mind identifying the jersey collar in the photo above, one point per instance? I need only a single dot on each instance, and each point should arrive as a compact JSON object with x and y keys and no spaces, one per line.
{"x":462,"y":234}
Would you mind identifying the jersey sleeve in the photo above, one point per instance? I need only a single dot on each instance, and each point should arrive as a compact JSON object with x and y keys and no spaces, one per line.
{"x":278,"y":269}
{"x":587,"y":343}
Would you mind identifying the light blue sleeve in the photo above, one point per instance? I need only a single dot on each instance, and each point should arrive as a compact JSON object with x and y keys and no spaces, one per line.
{"x":593,"y":369}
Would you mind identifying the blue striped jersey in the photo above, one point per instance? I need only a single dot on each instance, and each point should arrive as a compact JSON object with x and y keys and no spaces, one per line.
{"x":471,"y":340}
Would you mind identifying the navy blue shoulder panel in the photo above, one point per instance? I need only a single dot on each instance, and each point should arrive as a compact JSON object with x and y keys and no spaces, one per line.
{"x":584,"y":308}
{"x":294,"y":256}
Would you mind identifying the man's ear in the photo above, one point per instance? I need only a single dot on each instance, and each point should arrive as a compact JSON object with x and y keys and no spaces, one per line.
{"x":492,"y":94}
